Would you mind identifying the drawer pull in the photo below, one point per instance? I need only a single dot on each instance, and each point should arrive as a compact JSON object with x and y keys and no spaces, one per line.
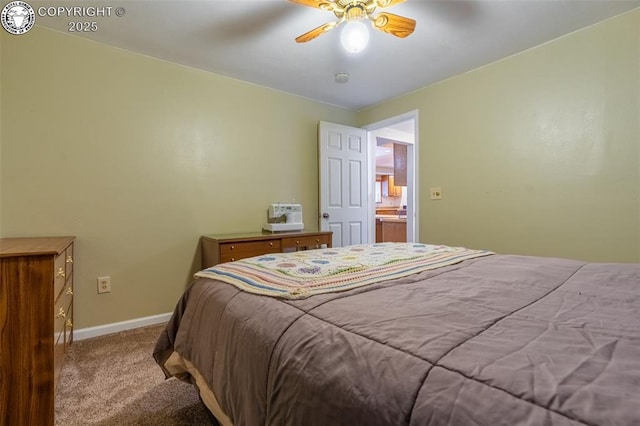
{"x":70,"y":291}
{"x":233,"y":259}
{"x":232,"y":247}
{"x":317,"y":240}
{"x":297,"y":242}
{"x":60,"y":273}
{"x":69,"y":259}
{"x":270,"y":244}
{"x":61,"y":313}
{"x":68,"y":323}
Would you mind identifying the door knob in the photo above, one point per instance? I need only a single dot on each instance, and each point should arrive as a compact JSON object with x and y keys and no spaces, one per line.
{"x":325,"y":215}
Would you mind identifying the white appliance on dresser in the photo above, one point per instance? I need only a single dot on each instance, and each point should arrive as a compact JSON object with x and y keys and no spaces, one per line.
{"x":284,"y":217}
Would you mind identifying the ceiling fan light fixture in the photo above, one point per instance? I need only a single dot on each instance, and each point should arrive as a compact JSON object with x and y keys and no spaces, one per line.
{"x":353,"y":13}
{"x":354,"y":36}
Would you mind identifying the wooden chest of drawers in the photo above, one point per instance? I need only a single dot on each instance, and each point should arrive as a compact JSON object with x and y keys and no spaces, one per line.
{"x":227,"y":248}
{"x":36,"y":325}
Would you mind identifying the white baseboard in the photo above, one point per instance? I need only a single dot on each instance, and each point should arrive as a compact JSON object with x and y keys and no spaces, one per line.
{"x":101,"y":330}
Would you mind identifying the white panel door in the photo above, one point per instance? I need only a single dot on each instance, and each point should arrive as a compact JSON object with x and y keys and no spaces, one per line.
{"x":343,"y":183}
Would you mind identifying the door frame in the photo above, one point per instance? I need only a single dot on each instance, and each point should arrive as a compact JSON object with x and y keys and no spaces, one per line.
{"x":412,"y":174}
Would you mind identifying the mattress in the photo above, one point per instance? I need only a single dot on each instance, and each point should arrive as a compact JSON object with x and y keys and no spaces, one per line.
{"x":494,"y":340}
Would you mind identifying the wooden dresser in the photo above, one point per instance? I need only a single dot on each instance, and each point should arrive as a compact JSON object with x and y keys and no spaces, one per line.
{"x":36,"y":325}
{"x":229,"y":247}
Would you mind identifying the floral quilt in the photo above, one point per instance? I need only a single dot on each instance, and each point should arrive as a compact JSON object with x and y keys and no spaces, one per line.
{"x":301,"y":274}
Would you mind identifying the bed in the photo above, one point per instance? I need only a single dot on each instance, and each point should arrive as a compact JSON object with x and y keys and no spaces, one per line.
{"x":472,"y":338}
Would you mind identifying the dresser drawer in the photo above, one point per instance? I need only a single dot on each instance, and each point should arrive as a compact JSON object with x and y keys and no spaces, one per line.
{"x":68,"y":328}
{"x":231,"y":257}
{"x":59,"y":275}
{"x":68,"y":261}
{"x":239,"y":248}
{"x":305,"y":241}
{"x":58,"y":361}
{"x":228,"y":248}
{"x":62,"y":311}
{"x":63,"y":334}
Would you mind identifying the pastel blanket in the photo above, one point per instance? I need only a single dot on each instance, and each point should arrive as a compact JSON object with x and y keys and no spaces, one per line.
{"x":301,"y":274}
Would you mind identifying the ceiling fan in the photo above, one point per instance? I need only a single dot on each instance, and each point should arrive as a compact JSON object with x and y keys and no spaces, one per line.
{"x":356,"y":11}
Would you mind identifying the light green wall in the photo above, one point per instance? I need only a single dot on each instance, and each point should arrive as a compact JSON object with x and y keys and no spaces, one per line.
{"x":137,"y":158}
{"x":538,"y":153}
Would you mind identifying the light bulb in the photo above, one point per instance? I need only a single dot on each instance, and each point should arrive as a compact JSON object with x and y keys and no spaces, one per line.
{"x":355,"y":36}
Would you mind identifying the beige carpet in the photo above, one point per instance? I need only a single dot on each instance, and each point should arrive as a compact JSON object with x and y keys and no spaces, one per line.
{"x":113,"y":380}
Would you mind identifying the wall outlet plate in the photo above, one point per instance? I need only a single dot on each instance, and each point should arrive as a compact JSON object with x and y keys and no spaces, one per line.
{"x":104,"y":285}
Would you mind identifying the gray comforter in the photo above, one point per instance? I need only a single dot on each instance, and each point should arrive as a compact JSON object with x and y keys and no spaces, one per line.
{"x":500,"y":340}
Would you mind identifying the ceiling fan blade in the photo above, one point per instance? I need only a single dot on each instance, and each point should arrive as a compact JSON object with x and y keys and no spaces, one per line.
{"x":316,"y":32}
{"x":318,"y":4}
{"x":398,"y":26}
{"x":388,"y":3}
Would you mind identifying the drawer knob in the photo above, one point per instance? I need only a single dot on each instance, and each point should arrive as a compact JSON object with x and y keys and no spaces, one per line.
{"x":317,"y":240}
{"x":60,"y":273}
{"x":69,"y":259}
{"x":297,"y":242}
{"x":70,"y":291}
{"x":61,"y":313}
{"x":233,"y":259}
{"x":232,"y":247}
{"x":68,"y":323}
{"x":270,"y":244}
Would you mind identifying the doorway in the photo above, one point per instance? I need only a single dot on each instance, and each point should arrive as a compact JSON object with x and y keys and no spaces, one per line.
{"x":401,"y":131}
{"x":347,"y":177}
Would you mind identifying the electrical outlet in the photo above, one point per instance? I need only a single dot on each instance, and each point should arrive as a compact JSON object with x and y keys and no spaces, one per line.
{"x":436,"y":193}
{"x":104,"y":285}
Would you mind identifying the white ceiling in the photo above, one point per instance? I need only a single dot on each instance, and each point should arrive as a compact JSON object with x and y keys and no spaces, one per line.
{"x":253,"y":40}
